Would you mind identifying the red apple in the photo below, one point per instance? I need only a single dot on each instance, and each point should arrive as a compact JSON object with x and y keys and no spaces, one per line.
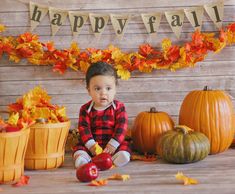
{"x":87,"y":172}
{"x":103,"y":161}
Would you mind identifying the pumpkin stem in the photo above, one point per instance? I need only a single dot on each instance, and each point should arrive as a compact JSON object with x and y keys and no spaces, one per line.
{"x":206,"y":88}
{"x":153,"y":110}
{"x":183,"y":128}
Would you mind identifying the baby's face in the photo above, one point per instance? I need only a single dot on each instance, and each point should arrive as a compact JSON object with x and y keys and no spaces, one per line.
{"x":102,"y":89}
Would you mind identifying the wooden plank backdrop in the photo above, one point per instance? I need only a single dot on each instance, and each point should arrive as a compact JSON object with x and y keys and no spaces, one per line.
{"x":163,"y":89}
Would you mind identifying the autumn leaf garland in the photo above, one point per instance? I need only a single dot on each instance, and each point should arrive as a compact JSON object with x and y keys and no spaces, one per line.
{"x":171,"y":57}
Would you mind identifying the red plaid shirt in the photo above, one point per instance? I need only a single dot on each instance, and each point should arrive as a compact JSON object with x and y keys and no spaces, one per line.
{"x":102,"y":125}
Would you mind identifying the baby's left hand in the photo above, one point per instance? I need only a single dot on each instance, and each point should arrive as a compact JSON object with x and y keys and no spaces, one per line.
{"x":109,"y":149}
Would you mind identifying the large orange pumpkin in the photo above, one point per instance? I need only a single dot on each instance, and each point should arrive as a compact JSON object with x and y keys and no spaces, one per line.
{"x":210,"y":112}
{"x":148,"y":127}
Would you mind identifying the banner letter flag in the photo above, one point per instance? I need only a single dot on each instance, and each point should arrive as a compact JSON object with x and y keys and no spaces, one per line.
{"x":194,"y":16}
{"x":57,"y":18}
{"x":175,"y":19}
{"x":119,"y":22}
{"x":98,"y":23}
{"x":151,"y":21}
{"x":37,"y":13}
{"x":77,"y":21}
{"x":216,"y":12}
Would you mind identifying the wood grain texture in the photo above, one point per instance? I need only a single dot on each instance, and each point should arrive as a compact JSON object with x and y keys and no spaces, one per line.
{"x":215,"y":175}
{"x":162,"y":88}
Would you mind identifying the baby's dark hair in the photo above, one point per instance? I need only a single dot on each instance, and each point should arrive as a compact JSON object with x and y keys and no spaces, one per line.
{"x":100,"y":68}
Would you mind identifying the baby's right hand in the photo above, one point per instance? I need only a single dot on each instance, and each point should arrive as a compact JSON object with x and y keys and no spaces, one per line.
{"x":96,"y":149}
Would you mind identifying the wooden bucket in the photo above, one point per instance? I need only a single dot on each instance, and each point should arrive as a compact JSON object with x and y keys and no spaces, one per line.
{"x":46,"y":146}
{"x":12,"y":152}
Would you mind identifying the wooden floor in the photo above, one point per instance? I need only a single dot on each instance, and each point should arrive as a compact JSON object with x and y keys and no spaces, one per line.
{"x":216,"y":175}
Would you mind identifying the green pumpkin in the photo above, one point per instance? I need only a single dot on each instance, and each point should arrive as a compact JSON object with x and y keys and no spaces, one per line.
{"x":183,"y":145}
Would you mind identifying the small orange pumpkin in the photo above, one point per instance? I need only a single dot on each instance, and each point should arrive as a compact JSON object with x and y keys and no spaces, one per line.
{"x":148,"y":127}
{"x":210,"y":112}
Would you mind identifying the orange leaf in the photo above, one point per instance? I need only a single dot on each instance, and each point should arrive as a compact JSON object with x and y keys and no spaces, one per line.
{"x":1,"y":189}
{"x":185,"y":179}
{"x":146,"y":158}
{"x":50,"y":46}
{"x":24,"y":180}
{"x":145,"y":49}
{"x":122,"y":177}
{"x":98,"y":183}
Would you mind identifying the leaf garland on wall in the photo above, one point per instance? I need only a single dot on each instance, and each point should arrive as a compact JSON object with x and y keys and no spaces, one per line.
{"x":172,"y":57}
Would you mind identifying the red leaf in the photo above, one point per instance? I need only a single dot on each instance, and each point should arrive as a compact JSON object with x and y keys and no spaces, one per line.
{"x":231,"y":27}
{"x":25,"y":52}
{"x":15,"y":107}
{"x":24,"y":180}
{"x":145,"y":49}
{"x":60,"y":67}
{"x":173,"y":53}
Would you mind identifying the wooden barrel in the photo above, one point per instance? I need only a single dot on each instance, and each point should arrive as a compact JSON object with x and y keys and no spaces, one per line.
{"x":46,"y":145}
{"x":12,"y":152}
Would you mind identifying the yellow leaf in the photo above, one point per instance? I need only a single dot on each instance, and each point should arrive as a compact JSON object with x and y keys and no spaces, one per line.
{"x":117,"y":55}
{"x":13,"y":119}
{"x":166,"y":44}
{"x":124,"y":74}
{"x":14,"y":58}
{"x":185,"y":179}
{"x":2,"y":28}
{"x":74,"y":47}
{"x":122,"y":177}
{"x":98,"y":149}
{"x":41,"y":112}
{"x":61,"y":111}
{"x":95,"y":57}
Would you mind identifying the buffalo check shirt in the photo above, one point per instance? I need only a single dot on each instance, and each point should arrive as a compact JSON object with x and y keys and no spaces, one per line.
{"x":103,"y":126}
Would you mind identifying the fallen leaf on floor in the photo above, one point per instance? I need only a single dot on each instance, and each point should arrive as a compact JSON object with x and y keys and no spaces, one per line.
{"x":122,"y":177}
{"x":98,"y":183}
{"x":146,"y":157}
{"x":185,"y":179}
{"x":1,"y":189}
{"x":24,"y":180}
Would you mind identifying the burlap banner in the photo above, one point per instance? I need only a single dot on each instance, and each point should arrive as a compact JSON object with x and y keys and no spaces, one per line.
{"x":37,"y":13}
{"x":57,"y":19}
{"x":175,"y":19}
{"x":194,"y":16}
{"x":98,"y":21}
{"x":77,"y":21}
{"x":216,"y":12}
{"x":119,"y":22}
{"x":151,"y":22}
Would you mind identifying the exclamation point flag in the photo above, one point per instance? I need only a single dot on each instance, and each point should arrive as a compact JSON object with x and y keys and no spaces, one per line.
{"x":37,"y":13}
{"x":216,"y":12}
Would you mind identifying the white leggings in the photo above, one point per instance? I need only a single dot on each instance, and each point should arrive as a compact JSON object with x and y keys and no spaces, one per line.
{"x":121,"y":158}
